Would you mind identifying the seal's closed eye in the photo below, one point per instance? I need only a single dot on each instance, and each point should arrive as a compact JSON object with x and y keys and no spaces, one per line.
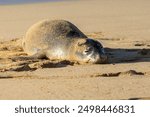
{"x":88,"y":49}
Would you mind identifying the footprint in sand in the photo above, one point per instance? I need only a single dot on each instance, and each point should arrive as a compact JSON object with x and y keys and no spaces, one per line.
{"x":117,"y":74}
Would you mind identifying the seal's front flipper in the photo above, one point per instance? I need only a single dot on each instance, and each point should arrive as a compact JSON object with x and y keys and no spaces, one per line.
{"x":39,"y":55}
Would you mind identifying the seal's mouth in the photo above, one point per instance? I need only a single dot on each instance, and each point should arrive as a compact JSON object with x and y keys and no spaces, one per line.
{"x":97,"y":59}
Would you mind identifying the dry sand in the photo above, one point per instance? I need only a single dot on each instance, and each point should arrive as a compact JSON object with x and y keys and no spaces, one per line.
{"x":121,"y":26}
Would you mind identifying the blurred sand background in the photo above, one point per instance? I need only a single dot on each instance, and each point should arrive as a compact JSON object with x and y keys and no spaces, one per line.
{"x":122,"y":26}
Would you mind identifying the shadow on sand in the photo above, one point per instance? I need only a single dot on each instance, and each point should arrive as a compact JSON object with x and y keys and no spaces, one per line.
{"x":123,"y":55}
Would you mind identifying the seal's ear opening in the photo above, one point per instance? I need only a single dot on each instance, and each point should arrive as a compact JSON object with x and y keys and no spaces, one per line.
{"x":81,"y":42}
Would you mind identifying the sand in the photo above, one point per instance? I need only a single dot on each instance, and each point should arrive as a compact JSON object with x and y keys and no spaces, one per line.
{"x":121,"y":26}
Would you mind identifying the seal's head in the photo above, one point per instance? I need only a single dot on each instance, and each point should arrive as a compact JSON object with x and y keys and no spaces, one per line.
{"x":90,"y":51}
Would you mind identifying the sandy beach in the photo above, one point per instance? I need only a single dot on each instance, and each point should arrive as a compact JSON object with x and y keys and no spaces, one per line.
{"x":123,"y":28}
